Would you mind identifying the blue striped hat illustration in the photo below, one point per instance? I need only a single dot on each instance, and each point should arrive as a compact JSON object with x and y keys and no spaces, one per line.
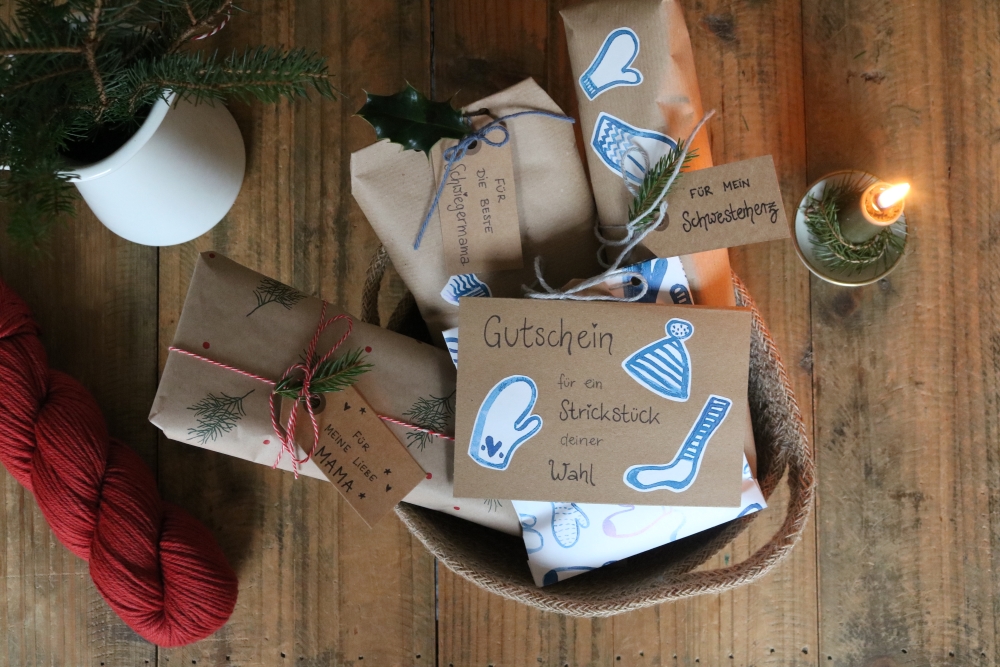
{"x":612,"y":137}
{"x":466,"y":284}
{"x":664,"y":367}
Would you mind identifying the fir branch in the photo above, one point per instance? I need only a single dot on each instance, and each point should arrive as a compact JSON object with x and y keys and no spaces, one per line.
{"x":822,"y":218}
{"x":330,"y":376}
{"x":655,"y":181}
{"x":216,"y":416}
{"x":271,"y":291}
{"x":51,"y":50}
{"x":436,"y":413}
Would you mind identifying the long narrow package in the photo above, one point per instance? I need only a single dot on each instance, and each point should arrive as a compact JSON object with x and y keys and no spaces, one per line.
{"x":636,"y":84}
{"x":395,"y":189}
{"x":235,"y":318}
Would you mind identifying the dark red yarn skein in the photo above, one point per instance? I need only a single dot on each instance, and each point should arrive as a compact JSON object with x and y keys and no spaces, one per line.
{"x":157,"y":566}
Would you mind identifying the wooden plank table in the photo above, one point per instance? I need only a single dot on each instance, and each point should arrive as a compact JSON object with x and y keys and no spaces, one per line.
{"x":899,"y":381}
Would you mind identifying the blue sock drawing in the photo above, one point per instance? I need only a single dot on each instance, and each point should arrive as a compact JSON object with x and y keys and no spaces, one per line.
{"x":679,"y":474}
{"x":466,"y":284}
{"x":503,"y":423}
{"x":679,"y":294}
{"x":664,"y":367}
{"x":567,"y":521}
{"x":612,"y":138}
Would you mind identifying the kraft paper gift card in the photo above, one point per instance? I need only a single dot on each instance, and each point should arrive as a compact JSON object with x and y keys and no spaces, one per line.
{"x":602,"y":402}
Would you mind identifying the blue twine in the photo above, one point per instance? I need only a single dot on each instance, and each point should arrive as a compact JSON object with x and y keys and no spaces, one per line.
{"x":458,"y":151}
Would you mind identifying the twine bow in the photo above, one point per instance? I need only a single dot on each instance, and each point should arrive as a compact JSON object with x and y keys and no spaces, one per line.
{"x":286,"y":435}
{"x":636,"y":230}
{"x":457,"y":152}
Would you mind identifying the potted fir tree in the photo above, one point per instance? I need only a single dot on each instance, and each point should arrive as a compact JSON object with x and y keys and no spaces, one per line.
{"x":107,"y":95}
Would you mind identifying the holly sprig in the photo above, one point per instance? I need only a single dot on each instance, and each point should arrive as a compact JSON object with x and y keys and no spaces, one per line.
{"x":411,"y":120}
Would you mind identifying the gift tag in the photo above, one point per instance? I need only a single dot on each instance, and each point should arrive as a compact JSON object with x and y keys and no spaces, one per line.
{"x":601,"y":402}
{"x":722,"y":207}
{"x":480,"y":228}
{"x":358,"y":453}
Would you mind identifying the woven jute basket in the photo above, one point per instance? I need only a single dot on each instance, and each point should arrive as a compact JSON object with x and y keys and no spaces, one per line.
{"x":497,"y":562}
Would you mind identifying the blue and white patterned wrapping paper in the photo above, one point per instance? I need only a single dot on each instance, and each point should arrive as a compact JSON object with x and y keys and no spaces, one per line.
{"x":567,"y":539}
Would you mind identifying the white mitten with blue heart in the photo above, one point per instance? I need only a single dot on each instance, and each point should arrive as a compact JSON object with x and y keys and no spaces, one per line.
{"x":610,"y":67}
{"x":504,"y":422}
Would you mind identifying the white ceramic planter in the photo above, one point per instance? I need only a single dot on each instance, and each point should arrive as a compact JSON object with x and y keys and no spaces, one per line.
{"x":173,"y":180}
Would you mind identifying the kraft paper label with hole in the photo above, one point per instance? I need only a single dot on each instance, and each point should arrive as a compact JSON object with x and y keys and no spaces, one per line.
{"x":358,"y":453}
{"x":644,"y":404}
{"x":480,"y":228}
{"x":722,"y":207}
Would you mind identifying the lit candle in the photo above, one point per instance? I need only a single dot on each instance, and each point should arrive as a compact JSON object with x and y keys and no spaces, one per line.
{"x":880,"y":205}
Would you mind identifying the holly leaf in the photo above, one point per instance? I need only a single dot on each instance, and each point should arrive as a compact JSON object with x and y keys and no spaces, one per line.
{"x":413,"y":121}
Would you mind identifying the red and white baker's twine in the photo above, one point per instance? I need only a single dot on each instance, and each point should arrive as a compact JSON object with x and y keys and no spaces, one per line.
{"x":286,"y":434}
{"x":216,"y":29}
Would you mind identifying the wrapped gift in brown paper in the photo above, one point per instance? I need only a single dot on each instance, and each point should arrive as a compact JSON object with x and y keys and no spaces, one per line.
{"x":239,"y":318}
{"x":395,"y":188}
{"x":634,"y":75}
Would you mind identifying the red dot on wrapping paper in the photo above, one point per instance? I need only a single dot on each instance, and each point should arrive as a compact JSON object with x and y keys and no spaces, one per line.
{"x":368,"y":349}
{"x":429,"y":475}
{"x":457,"y":507}
{"x":211,"y":255}
{"x":267,"y":442}
{"x":206,"y":345}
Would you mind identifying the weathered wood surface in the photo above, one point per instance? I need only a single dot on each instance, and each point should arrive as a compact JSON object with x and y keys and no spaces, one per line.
{"x":897,"y":381}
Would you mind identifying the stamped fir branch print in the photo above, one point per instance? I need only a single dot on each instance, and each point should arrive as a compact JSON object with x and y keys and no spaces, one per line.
{"x":492,"y":504}
{"x":271,"y":291}
{"x":216,"y":415}
{"x":430,"y":412}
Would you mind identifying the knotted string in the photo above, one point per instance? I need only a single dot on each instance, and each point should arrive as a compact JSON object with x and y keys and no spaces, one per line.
{"x":286,"y":434}
{"x":636,"y":230}
{"x":457,"y":152}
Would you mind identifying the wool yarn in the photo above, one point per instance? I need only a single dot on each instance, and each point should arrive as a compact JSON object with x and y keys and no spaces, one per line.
{"x":158,"y":567}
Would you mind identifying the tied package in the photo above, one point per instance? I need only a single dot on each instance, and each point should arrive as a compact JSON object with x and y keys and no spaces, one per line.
{"x":634,"y":75}
{"x":237,"y":324}
{"x":554,"y":207}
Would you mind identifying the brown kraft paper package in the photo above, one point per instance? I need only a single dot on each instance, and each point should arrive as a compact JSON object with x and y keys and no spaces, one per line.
{"x":235,"y":316}
{"x":612,"y":44}
{"x":395,"y":187}
{"x":638,"y":68}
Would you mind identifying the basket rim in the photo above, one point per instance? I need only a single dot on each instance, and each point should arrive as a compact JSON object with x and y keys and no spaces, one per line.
{"x":795,"y":458}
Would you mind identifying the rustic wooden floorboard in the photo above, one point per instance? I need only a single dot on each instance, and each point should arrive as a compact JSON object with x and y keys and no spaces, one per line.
{"x":317,"y":587}
{"x":901,"y":565}
{"x":906,"y":370}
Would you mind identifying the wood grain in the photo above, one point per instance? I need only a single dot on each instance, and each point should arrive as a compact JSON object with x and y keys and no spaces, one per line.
{"x":906,"y":369}
{"x":317,"y":586}
{"x":748,"y":60}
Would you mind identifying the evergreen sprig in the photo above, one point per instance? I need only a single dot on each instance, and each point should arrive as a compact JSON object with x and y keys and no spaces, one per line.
{"x":85,"y":72}
{"x":271,"y":291}
{"x":216,"y":416}
{"x":655,"y":181}
{"x":436,"y":413}
{"x":332,"y":375}
{"x":823,"y":222}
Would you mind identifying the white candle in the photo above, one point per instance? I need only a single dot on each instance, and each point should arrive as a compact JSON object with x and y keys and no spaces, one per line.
{"x":880,"y":205}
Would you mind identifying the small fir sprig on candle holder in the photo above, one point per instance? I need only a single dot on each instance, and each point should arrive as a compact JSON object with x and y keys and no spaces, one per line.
{"x":823,"y":219}
{"x":850,"y":228}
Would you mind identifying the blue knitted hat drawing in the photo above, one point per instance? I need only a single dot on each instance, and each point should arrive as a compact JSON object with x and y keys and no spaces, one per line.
{"x":664,"y":367}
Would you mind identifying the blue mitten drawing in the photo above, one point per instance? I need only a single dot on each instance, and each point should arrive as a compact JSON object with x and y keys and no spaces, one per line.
{"x":567,"y":521}
{"x":466,"y":284}
{"x":503,"y":422}
{"x":679,"y":474}
{"x":664,"y":367}
{"x":610,"y":67}
{"x":613,"y":137}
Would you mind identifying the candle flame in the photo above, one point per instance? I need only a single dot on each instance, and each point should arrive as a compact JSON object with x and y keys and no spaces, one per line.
{"x":892,"y":196}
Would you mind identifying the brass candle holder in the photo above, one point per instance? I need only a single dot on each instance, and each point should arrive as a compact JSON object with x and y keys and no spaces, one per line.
{"x":850,"y":228}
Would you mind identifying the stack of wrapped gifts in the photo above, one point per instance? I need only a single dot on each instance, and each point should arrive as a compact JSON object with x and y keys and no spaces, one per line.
{"x":586,"y":385}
